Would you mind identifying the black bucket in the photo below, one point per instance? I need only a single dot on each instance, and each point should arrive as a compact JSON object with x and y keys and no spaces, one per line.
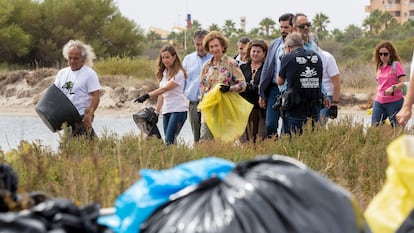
{"x":54,"y":108}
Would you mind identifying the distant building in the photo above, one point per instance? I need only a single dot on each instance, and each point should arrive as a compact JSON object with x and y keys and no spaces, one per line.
{"x":243,"y":23}
{"x":402,"y":10}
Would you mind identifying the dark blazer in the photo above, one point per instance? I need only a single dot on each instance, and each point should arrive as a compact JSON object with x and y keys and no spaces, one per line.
{"x":268,"y":70}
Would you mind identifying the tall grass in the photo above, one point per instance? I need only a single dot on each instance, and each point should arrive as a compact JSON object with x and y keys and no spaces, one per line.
{"x":100,"y":170}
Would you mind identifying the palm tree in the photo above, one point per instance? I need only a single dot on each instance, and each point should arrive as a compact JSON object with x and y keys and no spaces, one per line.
{"x":387,"y":19}
{"x":369,"y":23}
{"x":214,"y":27}
{"x":255,"y":32}
{"x":229,"y":28}
{"x":196,"y":25}
{"x":320,"y":22}
{"x":374,"y":21}
{"x":152,"y":36}
{"x":267,"y":24}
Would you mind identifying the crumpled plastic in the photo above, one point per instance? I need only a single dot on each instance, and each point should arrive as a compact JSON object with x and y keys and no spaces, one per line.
{"x":226,"y":114}
{"x":391,"y":206}
{"x":155,"y":188}
{"x":267,"y":194}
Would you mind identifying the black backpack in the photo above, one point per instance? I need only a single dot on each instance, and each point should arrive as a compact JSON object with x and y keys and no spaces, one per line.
{"x":309,"y":80}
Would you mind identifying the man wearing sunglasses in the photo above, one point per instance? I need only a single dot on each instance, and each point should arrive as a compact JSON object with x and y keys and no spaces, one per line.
{"x":302,"y":25}
{"x":268,"y":88}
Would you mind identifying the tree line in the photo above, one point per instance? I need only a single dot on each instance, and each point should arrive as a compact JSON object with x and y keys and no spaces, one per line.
{"x":33,"y":32}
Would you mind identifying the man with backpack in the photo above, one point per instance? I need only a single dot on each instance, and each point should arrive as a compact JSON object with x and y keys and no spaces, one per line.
{"x":302,"y":70}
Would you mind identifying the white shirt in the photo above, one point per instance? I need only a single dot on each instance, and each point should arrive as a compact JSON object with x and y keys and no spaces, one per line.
{"x":174,"y":99}
{"x":193,"y":64}
{"x":330,"y":69}
{"x":77,"y":86}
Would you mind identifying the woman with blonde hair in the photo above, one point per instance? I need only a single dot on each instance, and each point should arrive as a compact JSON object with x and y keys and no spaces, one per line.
{"x":171,"y":76}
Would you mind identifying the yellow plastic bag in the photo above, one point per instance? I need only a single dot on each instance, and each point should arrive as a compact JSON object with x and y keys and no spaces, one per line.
{"x":391,"y":206}
{"x":226,"y":114}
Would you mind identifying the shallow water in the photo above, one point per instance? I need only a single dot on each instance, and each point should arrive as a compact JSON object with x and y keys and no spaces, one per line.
{"x":14,"y":129}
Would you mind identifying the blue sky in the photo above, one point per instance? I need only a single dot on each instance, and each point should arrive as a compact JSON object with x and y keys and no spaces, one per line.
{"x":168,"y":13}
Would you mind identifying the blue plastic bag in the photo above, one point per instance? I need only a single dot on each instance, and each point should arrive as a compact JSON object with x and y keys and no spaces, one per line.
{"x":154,"y":189}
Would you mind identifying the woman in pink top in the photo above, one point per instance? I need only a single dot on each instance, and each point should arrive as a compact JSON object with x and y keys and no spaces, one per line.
{"x":390,"y":78}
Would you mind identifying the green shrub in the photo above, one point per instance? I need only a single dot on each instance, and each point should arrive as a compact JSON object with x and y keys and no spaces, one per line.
{"x":140,"y":68}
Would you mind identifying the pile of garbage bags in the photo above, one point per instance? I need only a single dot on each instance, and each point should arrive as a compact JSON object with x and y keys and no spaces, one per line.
{"x":38,"y":213}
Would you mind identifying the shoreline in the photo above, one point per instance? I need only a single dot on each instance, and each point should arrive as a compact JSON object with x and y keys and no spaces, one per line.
{"x":20,"y":110}
{"x":30,"y":111}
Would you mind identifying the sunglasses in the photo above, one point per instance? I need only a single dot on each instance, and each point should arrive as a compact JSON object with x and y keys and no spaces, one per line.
{"x":302,"y":26}
{"x":383,"y":54}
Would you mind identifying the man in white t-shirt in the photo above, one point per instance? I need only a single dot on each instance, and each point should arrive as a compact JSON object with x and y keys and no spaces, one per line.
{"x":80,"y":83}
{"x":331,"y":81}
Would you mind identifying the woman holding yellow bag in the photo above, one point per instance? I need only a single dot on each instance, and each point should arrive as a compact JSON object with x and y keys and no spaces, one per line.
{"x":222,"y":108}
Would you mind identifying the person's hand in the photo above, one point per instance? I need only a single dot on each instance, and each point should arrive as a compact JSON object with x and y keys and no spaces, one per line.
{"x":87,"y":122}
{"x":224,"y":88}
{"x":403,"y":116}
{"x":327,"y":102}
{"x":390,"y":90}
{"x":142,"y":98}
{"x":262,"y":102}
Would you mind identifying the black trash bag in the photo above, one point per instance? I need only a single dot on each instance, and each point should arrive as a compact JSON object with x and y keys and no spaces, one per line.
{"x":13,"y":222}
{"x":146,"y":119}
{"x":9,"y":199}
{"x":53,"y":216}
{"x":273,"y":194}
{"x":61,"y":213}
{"x":8,"y":186}
{"x":408,"y":225}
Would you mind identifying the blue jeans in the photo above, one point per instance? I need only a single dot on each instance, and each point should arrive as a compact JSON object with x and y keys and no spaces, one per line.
{"x":296,"y":124}
{"x":380,"y":112}
{"x":272,"y":116}
{"x":172,"y":123}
